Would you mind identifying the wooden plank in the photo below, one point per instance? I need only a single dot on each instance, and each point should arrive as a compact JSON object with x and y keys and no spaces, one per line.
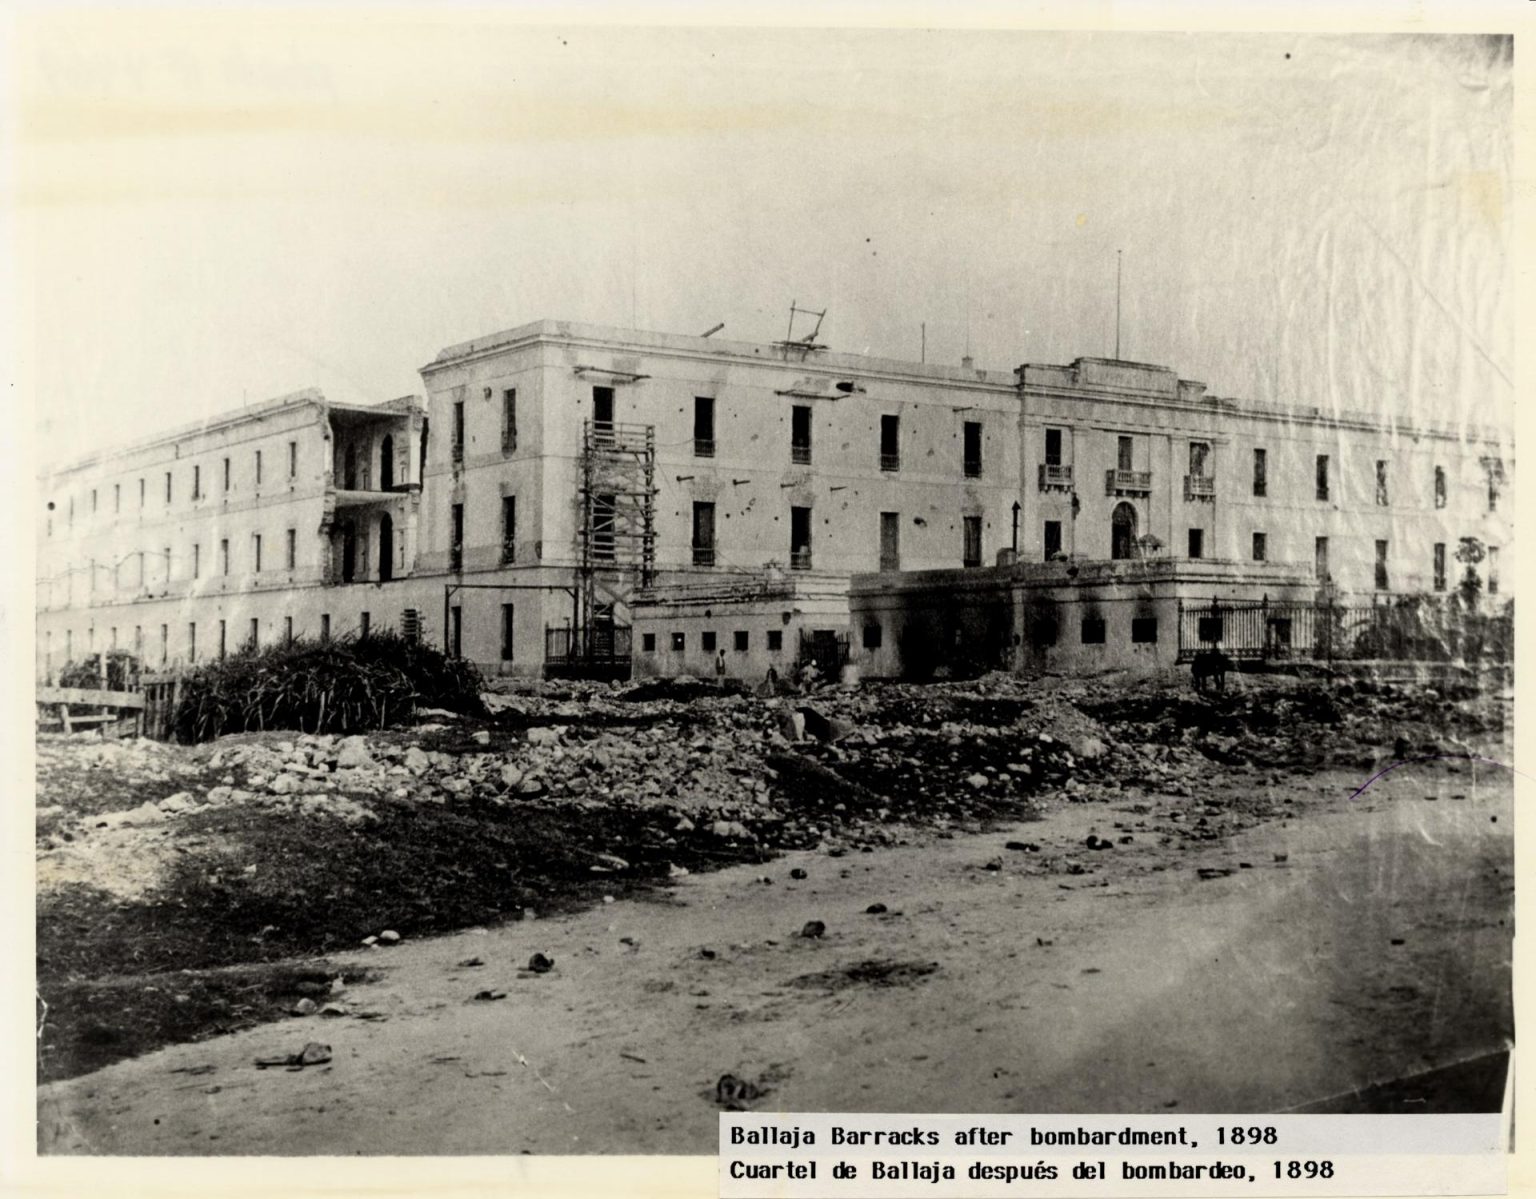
{"x":100,"y":699}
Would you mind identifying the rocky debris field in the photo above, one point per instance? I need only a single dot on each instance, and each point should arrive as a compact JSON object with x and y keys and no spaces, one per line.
{"x":179,"y":886}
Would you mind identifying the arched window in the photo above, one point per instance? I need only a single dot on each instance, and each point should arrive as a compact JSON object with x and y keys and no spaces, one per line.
{"x":1122,"y":532}
{"x":386,"y":548}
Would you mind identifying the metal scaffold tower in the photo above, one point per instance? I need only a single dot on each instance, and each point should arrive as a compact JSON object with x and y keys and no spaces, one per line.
{"x":616,"y":534}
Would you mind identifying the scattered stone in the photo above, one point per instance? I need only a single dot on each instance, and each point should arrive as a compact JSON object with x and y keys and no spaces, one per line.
{"x":482,"y":737}
{"x":876,"y":909}
{"x":468,"y":963}
{"x":543,"y":736}
{"x":539,"y":964}
{"x":389,"y":937}
{"x":488,"y":995}
{"x":813,"y":929}
{"x":977,"y":781}
{"x":799,"y":872}
{"x":730,"y":829}
{"x":304,"y":1007}
{"x":994,"y":864}
{"x":1023,"y":846}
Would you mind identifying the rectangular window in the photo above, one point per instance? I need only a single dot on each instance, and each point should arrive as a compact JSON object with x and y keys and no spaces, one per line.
{"x":1439,"y":566}
{"x":364,"y":623}
{"x":197,"y":485}
{"x":287,"y":630}
{"x":1439,"y":487}
{"x":456,"y":538}
{"x":508,"y":630}
{"x":971,"y":550}
{"x":800,"y":538}
{"x":890,"y":443}
{"x":293,"y":460}
{"x":1197,"y":543}
{"x":679,"y":643}
{"x":223,"y":639}
{"x":602,"y":409}
{"x":740,"y":642}
{"x":1381,"y":566}
{"x":1053,"y":447}
{"x":872,"y":636}
{"x":1493,"y":570}
{"x":93,"y":501}
{"x":509,"y":528}
{"x":138,"y":640}
{"x":604,"y":517}
{"x":509,"y":420}
{"x":1320,"y":557}
{"x":1260,"y":472}
{"x":1144,"y":630}
{"x":1381,"y":481}
{"x":890,"y":541}
{"x":141,"y":494}
{"x":1093,"y":630}
{"x":1125,"y":454}
{"x":224,"y":556}
{"x":1322,"y":476}
{"x":703,"y":534}
{"x":703,"y":427}
{"x":165,"y":644}
{"x":325,"y":627}
{"x":166,"y":555}
{"x":256,"y":552}
{"x":258,"y":468}
{"x":192,"y":641}
{"x":456,"y":631}
{"x":972,"y":449}
{"x":167,"y":487}
{"x":1199,"y":455}
{"x":1052,"y":539}
{"x":648,"y":642}
{"x":458,"y":430}
{"x":775,"y":640}
{"x":226,"y":474}
{"x":291,"y":549}
{"x":255,"y":639}
{"x":1260,"y":547}
{"x":707,"y":641}
{"x":800,"y":435}
{"x":197,"y":560}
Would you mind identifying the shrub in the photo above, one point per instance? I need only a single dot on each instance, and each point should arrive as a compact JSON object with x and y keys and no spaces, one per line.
{"x":339,"y":686}
{"x":122,"y":668}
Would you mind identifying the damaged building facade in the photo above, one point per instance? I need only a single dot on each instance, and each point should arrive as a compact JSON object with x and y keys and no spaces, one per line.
{"x":576,"y":498}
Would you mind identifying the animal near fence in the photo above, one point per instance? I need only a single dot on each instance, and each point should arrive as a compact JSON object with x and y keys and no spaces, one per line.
{"x":1411,"y":628}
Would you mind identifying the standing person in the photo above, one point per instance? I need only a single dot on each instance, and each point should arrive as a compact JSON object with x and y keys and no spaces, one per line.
{"x":720,"y":668}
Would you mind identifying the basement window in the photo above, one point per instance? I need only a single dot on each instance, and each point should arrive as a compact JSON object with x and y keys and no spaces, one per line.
{"x":1093,"y":630}
{"x":775,"y":640}
{"x":648,"y":642}
{"x":679,"y":642}
{"x":740,"y":641}
{"x":1144,"y":630}
{"x":707,"y":641}
{"x":872,"y":636}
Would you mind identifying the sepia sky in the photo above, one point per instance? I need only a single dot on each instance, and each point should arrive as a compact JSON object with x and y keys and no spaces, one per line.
{"x":214,"y":209}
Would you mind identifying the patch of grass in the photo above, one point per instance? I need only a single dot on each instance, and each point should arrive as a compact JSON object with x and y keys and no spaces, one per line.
{"x":90,"y":1024}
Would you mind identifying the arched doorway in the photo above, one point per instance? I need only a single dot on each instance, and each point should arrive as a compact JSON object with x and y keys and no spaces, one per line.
{"x":386,"y":548}
{"x":1122,"y":531}
{"x":387,"y":463}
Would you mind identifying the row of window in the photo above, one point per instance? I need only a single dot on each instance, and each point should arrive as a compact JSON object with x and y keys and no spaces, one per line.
{"x":704,"y":547}
{"x":221,"y":644}
{"x":508,"y":534}
{"x":508,"y":424}
{"x":741,"y":641}
{"x":257,"y":561}
{"x":1200,"y":481}
{"x":198,"y":492}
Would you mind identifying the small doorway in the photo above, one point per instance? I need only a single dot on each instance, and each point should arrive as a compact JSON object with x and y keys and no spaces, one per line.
{"x":386,"y":548}
{"x":1122,"y":532}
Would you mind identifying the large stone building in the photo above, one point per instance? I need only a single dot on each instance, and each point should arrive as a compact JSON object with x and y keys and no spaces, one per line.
{"x":579,"y":497}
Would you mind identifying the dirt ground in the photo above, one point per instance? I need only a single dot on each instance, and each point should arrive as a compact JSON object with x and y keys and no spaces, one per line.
{"x":1255,"y":934}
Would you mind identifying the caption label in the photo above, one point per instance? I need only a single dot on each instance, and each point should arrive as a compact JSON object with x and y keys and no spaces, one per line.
{"x":887,"y":1157}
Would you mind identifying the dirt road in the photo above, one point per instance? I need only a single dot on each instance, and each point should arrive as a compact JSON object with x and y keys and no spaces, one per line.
{"x":1376,"y":949}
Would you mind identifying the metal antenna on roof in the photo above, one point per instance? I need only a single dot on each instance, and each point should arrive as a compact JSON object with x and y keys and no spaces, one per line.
{"x":804,"y":344}
{"x":1117,"y":304}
